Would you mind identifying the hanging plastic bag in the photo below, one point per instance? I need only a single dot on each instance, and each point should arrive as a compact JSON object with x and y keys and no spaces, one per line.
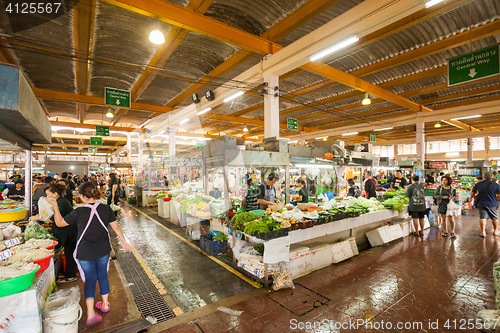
{"x":45,"y":209}
{"x":281,"y":277}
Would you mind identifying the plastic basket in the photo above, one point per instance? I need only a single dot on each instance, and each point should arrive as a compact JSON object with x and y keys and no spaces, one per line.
{"x":17,"y":284}
{"x":51,"y":247}
{"x":258,"y":212}
{"x":43,"y":263}
{"x":132,"y":200}
{"x":212,"y":247}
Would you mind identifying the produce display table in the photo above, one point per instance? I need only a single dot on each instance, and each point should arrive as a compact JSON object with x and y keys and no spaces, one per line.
{"x":27,"y":306}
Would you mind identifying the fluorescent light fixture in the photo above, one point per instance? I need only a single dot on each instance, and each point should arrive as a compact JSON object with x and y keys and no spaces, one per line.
{"x":353,"y":133}
{"x":468,"y":117}
{"x":161,"y":132}
{"x":366,"y":100}
{"x":183,"y":121}
{"x":454,"y":154}
{"x":245,"y":129}
{"x":110,"y":114}
{"x":432,"y":3}
{"x":233,"y":96}
{"x":205,"y":110}
{"x":437,"y":125}
{"x":383,"y":129}
{"x":334,"y":48}
{"x":321,"y":138}
{"x":314,"y":166}
{"x":156,"y":37}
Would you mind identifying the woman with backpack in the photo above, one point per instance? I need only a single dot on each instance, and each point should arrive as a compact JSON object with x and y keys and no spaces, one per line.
{"x":354,"y":190}
{"x":444,"y":194}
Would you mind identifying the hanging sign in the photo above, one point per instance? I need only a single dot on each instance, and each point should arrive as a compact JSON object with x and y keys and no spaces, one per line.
{"x":92,"y":150}
{"x":96,"y":140}
{"x":165,"y":153}
{"x":102,"y":131}
{"x":293,"y":124}
{"x":372,"y":137}
{"x":199,"y":146}
{"x":473,"y":66}
{"x":437,"y":165}
{"x":116,"y":97}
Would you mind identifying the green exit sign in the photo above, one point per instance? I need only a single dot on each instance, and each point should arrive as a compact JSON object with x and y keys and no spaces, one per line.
{"x":102,"y":131}
{"x":473,"y":66}
{"x":117,"y":98}
{"x":199,"y":146}
{"x":293,"y":124}
{"x":372,"y":137}
{"x":96,"y":140}
{"x":92,"y":150}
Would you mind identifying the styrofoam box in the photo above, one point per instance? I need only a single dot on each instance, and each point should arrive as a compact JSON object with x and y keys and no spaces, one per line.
{"x":384,"y":235}
{"x":297,"y":251}
{"x":405,"y":226}
{"x":216,"y":225}
{"x":175,"y":214}
{"x":320,"y":255}
{"x":354,"y":246}
{"x":341,"y":251}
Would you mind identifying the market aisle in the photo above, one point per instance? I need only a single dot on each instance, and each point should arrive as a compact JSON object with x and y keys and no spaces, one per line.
{"x":409,"y":281}
{"x":190,"y":277}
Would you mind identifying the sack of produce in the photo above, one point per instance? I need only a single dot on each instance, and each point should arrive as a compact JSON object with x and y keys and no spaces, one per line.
{"x":34,"y":230}
{"x":45,"y":209}
{"x":281,"y":277}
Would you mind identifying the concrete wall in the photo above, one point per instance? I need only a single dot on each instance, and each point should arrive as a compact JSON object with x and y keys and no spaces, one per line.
{"x":77,"y":168}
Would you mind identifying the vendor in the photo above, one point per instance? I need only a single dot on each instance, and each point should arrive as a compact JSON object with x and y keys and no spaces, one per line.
{"x":250,"y":201}
{"x":431,"y":179}
{"x":399,"y":181}
{"x":303,"y":196}
{"x":267,"y":192}
{"x":17,"y":192}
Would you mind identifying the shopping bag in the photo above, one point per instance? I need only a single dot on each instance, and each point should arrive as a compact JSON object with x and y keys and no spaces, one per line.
{"x":452,"y":209}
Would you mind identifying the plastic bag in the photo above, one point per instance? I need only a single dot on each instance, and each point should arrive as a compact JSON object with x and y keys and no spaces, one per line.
{"x":5,"y":193}
{"x":34,"y":230}
{"x":281,"y":277}
{"x":218,"y":209}
{"x":238,"y":246}
{"x":45,"y":209}
{"x":452,"y":209}
{"x":11,"y":231}
{"x":63,"y":299}
{"x":114,"y":207}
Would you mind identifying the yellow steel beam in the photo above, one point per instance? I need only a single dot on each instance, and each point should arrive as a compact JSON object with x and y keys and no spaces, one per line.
{"x":62,"y":96}
{"x":5,"y":55}
{"x":90,"y":126}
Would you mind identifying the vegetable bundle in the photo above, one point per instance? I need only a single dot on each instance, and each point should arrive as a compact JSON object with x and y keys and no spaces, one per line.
{"x":396,"y":203}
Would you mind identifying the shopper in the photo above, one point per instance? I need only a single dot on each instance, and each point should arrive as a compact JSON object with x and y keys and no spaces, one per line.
{"x":440,"y":178}
{"x":114,"y":188}
{"x":303,"y":196}
{"x":17,"y":192}
{"x":69,"y":193}
{"x":444,"y":194}
{"x":71,"y":183}
{"x":484,"y":196}
{"x":381,"y":174}
{"x":431,"y":179}
{"x":66,"y":236}
{"x":399,"y":181}
{"x":267,"y":192}
{"x":494,"y":177}
{"x":93,"y":246}
{"x":354,"y":190}
{"x":250,"y":201}
{"x":416,"y":206}
{"x":15,"y":176}
{"x":370,"y":186}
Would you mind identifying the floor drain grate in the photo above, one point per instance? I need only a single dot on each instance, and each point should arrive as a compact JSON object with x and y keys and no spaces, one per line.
{"x":147,"y":297}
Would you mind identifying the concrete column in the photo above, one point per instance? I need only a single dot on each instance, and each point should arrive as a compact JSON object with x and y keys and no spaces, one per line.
{"x":287,"y":184}
{"x":171,"y":153}
{"x":129,"y":148}
{"x":396,"y":152}
{"x":420,"y":140}
{"x":28,"y":185}
{"x":487,"y":147}
{"x":469,"y":150}
{"x":140,"y":155}
{"x":271,"y":107}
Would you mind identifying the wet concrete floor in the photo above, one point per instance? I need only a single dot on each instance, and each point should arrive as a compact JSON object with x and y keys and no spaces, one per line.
{"x":429,"y":284}
{"x":190,"y":277}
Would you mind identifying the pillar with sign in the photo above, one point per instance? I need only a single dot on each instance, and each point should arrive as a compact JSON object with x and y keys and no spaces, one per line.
{"x":171,"y":153}
{"x":420,"y":145}
{"x":271,"y":107}
{"x":470,"y":155}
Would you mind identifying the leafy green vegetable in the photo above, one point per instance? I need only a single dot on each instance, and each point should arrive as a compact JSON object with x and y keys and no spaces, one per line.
{"x":255,"y":227}
{"x":239,"y":220}
{"x":220,"y":237}
{"x":36,"y":231}
{"x":396,"y":203}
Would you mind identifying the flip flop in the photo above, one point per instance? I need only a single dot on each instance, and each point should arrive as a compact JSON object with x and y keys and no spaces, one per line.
{"x":482,"y":235}
{"x":94,"y":320}
{"x":99,"y":306}
{"x":66,"y":280}
{"x":453,"y":235}
{"x":444,"y":234}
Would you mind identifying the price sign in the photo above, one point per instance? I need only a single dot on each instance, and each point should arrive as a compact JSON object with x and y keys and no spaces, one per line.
{"x":12,"y":242}
{"x":5,"y":254}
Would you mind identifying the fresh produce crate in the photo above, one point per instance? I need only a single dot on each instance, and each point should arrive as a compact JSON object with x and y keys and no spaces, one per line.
{"x":211,"y":247}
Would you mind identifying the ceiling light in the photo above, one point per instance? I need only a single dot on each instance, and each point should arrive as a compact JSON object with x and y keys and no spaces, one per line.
{"x":245,"y":129}
{"x":383,"y":129}
{"x":454,"y":154}
{"x":156,"y":37}
{"x":110,"y":114}
{"x":366,"y":100}
{"x":353,"y":133}
{"x":468,"y":117}
{"x":203,"y":111}
{"x":324,"y":139}
{"x":334,"y":48}
{"x":233,"y":96}
{"x":432,"y":3}
{"x":437,"y":125}
{"x":183,"y":121}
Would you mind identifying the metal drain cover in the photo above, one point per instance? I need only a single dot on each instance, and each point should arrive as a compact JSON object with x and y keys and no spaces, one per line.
{"x":146,"y":296}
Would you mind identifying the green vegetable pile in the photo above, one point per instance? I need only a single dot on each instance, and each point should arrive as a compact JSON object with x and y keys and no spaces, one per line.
{"x":220,"y":237}
{"x":259,"y":248}
{"x":400,"y":192}
{"x":372,"y":205}
{"x":263,"y":224}
{"x":36,"y":231}
{"x":396,"y":203}
{"x":186,"y":204}
{"x":239,"y":220}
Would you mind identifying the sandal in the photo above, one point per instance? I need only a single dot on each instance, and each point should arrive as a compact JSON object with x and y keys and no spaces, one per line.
{"x":453,"y":235}
{"x":66,"y":280}
{"x":421,"y":233}
{"x":99,"y":306}
{"x":444,"y":234}
{"x":94,"y":320}
{"x":482,"y":235}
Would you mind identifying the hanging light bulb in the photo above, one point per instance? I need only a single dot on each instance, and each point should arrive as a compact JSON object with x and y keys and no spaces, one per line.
{"x":366,"y":100}
{"x":110,"y":114}
{"x":245,"y":129}
{"x":156,"y":36}
{"x":437,"y":125}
